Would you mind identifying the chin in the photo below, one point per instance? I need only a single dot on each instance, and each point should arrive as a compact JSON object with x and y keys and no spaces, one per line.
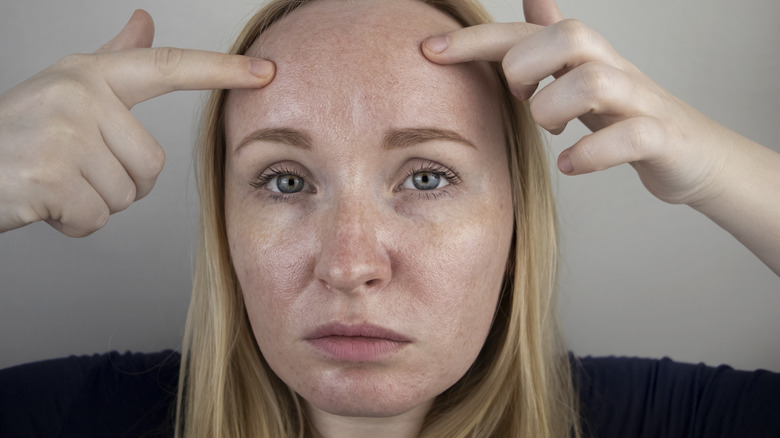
{"x":368,"y":398}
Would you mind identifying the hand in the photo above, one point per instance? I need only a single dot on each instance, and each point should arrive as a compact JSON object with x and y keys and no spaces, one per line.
{"x":71,"y":152}
{"x":675,"y":149}
{"x":680,"y":155}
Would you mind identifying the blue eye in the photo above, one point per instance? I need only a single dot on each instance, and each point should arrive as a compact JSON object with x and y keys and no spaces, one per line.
{"x":280,"y":180}
{"x":425,"y":180}
{"x":286,"y":183}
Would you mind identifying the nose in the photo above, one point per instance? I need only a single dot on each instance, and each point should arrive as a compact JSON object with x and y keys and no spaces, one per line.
{"x":352,"y":259}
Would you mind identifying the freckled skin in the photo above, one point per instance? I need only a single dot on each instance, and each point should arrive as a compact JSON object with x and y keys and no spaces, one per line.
{"x":356,"y":248}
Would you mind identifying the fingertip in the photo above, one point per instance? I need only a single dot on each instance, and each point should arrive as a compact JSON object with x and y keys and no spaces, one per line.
{"x":144,"y":20}
{"x":542,"y":12}
{"x":436,"y":45}
{"x":141,"y":14}
{"x":138,"y":32}
{"x":564,"y":163}
{"x":263,"y":69}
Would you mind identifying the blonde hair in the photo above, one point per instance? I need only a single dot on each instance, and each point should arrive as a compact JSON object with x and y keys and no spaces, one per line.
{"x":519,"y":386}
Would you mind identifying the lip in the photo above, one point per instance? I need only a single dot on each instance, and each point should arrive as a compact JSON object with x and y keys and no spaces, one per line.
{"x":355,"y":343}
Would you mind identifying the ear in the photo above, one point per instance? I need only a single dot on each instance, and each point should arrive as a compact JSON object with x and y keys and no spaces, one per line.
{"x":137,"y":33}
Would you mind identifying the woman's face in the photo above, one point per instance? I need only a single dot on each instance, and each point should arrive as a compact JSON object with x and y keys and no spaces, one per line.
{"x":368,"y":207}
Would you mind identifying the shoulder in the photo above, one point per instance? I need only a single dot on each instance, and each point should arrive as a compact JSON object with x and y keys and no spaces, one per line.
{"x":660,"y":397}
{"x":111,"y":394}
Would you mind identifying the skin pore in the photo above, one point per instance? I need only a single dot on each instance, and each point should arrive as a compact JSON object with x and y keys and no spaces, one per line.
{"x":397,"y":220}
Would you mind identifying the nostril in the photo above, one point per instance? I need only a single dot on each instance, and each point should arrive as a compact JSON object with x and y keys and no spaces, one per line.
{"x":373,"y":282}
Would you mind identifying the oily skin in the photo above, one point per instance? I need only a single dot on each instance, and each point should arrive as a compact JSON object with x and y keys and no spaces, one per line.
{"x":357,"y":245}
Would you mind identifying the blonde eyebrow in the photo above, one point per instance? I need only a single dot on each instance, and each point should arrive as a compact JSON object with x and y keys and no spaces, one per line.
{"x":288,"y":136}
{"x":401,"y":138}
{"x":394,"y":138}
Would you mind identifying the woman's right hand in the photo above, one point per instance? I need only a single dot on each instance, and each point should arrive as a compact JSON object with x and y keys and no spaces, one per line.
{"x":71,"y":154}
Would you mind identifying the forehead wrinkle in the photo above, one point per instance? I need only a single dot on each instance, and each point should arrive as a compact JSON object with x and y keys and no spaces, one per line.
{"x":332,"y":32}
{"x":344,"y":66}
{"x":359,"y":52}
{"x":370,"y":26}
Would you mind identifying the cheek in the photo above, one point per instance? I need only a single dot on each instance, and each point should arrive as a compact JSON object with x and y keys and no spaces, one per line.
{"x":272,"y":262}
{"x":455,"y":269}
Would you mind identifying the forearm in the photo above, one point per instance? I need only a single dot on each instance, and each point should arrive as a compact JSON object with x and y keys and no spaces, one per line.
{"x":746,"y":199}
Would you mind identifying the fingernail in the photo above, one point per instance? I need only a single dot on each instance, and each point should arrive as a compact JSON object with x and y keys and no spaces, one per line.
{"x":437,"y":44}
{"x":564,"y":164}
{"x":261,"y":68}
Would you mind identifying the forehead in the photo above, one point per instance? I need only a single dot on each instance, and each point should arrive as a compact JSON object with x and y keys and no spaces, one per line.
{"x":347,"y":64}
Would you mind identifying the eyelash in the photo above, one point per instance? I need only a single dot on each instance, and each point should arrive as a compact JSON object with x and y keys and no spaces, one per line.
{"x":450,"y":174}
{"x":263,"y":178}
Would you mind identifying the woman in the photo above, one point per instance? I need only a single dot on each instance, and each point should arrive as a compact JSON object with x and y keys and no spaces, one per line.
{"x":361,"y":269}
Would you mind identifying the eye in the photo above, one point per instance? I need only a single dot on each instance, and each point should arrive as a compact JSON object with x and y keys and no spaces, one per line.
{"x":282,"y":181}
{"x":425,"y":180}
{"x":286,"y":183}
{"x":429,"y":177}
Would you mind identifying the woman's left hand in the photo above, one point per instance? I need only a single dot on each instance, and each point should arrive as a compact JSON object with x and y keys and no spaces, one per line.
{"x":680,"y":155}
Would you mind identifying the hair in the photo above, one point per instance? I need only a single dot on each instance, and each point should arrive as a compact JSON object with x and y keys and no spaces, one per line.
{"x":520,"y":385}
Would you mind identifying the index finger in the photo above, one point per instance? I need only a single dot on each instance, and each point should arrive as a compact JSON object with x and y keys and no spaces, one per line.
{"x":483,"y":42}
{"x":139,"y":74}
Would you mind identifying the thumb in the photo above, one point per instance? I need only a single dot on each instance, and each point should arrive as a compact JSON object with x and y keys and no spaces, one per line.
{"x":541,"y":12}
{"x":137,"y":33}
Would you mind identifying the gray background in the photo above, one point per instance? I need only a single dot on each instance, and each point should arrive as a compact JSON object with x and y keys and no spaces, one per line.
{"x":638,"y":277}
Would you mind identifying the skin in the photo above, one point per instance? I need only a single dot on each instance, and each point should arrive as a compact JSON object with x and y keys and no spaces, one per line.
{"x":681,"y":156}
{"x":358,"y":244}
{"x":73,"y":152}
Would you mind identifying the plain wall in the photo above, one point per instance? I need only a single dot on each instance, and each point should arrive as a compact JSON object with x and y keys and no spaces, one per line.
{"x":638,"y":277}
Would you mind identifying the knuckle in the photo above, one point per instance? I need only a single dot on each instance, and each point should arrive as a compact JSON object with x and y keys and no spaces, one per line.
{"x":167,"y":60}
{"x":68,"y":92}
{"x":575,"y":33}
{"x":154,"y":163}
{"x":61,"y":134}
{"x":28,"y":214}
{"x":83,"y":228}
{"x":595,"y":80}
{"x":99,"y":220}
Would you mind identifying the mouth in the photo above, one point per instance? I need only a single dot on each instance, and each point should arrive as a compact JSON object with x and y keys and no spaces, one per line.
{"x":356,"y":343}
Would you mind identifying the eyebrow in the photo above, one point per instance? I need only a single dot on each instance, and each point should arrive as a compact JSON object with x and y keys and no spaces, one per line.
{"x":394,"y":138}
{"x":288,"y":136}
{"x":402,"y":138}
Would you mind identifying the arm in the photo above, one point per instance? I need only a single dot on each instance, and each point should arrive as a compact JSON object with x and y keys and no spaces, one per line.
{"x":680,"y":155}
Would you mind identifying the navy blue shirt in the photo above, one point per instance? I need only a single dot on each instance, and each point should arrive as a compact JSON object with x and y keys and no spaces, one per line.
{"x":134,"y":395}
